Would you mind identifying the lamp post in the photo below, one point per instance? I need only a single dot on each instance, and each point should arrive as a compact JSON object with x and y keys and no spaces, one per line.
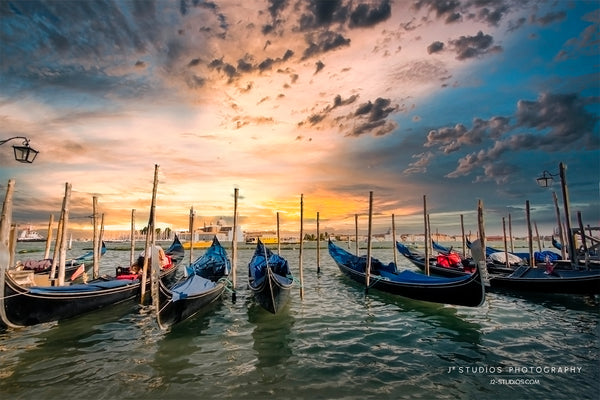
{"x":546,"y":180}
{"x":23,"y":153}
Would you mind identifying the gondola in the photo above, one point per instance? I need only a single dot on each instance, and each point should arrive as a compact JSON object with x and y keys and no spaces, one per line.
{"x":465,"y":290}
{"x":549,"y":280}
{"x":25,"y":304}
{"x":449,"y":269}
{"x":205,"y":283}
{"x":269,"y":278}
{"x":44,"y":266}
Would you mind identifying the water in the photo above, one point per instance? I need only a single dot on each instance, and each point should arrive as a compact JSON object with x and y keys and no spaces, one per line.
{"x":335,"y":343}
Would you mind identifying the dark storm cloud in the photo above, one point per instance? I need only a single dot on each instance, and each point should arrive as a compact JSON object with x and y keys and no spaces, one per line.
{"x":365,"y":15}
{"x":435,"y":47}
{"x":337,"y":102}
{"x":319,"y":66}
{"x":323,"y":42}
{"x":559,"y":121}
{"x":474,"y":46}
{"x":372,"y":118}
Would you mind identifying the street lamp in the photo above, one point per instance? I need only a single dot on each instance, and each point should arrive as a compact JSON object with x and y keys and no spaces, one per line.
{"x":23,"y":153}
{"x":546,"y":180}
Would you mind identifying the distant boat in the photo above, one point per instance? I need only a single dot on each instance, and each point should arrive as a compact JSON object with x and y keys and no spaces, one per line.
{"x":29,"y":235}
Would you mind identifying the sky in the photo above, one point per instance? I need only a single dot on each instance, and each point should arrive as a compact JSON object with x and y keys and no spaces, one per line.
{"x":436,"y":103}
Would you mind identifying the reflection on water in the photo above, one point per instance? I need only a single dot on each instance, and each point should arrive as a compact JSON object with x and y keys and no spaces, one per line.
{"x":272,"y":339}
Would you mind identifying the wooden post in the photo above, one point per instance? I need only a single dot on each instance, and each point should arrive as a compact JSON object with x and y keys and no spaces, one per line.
{"x":369,"y":231}
{"x":394,"y":241}
{"x":356,"y":232}
{"x":537,"y":235}
{"x":512,"y":249}
{"x":565,"y":192}
{"x":505,"y":244}
{"x":63,"y":239}
{"x":318,"y":246}
{"x":561,"y":236}
{"x":56,"y":253}
{"x":481,"y":226}
{"x":234,"y":245}
{"x":529,"y":234}
{"x":149,"y":234}
{"x":5,"y":227}
{"x":583,"y":241}
{"x":301,"y":244}
{"x":426,"y":236}
{"x":462,"y":231}
{"x":132,"y":239}
{"x":278,"y":236}
{"x":191,"y":226}
{"x":95,"y":241}
{"x":49,"y":237}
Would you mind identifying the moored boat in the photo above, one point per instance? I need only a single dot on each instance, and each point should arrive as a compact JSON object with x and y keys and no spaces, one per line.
{"x":25,"y":304}
{"x":465,"y":290}
{"x":269,"y":278}
{"x":205,"y":283}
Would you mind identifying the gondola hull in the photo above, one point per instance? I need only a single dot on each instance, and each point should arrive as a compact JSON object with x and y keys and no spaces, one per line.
{"x":171,"y":312}
{"x":25,"y":306}
{"x":527,"y":279}
{"x":463,"y":291}
{"x":273,"y":292}
{"x":205,"y":283}
{"x":269,"y":279}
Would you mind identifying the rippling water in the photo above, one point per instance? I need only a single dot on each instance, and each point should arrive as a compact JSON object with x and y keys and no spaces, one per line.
{"x":335,"y":343}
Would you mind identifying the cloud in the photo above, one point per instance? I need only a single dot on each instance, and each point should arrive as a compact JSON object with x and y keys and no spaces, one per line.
{"x":558,"y":121}
{"x":474,"y":46}
{"x":364,"y":15}
{"x":435,"y":47}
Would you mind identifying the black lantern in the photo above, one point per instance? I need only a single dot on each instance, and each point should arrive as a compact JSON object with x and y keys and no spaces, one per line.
{"x":546,"y":179}
{"x":23,"y":153}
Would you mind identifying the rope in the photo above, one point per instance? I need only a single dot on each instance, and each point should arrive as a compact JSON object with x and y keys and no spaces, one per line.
{"x":376,"y":279}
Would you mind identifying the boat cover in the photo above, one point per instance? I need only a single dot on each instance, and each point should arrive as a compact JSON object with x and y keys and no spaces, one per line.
{"x":408,"y":276}
{"x":193,"y":285}
{"x":213,"y":264}
{"x":82,"y":287}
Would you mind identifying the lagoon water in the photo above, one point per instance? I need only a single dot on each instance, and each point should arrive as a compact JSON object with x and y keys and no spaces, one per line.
{"x":334,"y":343}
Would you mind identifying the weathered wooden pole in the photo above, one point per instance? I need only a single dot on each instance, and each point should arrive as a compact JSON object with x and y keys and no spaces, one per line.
{"x":561,"y":236}
{"x":56,"y":252}
{"x":529,"y":234}
{"x":369,"y":231}
{"x":481,"y":227}
{"x":394,"y":241}
{"x":537,"y":235}
{"x":49,"y":237}
{"x":191,"y":227}
{"x":132,"y":239}
{"x":5,"y":226}
{"x":426,"y":235}
{"x":63,"y":239}
{"x":510,"y":234}
{"x":278,"y":236}
{"x":356,"y":232}
{"x":149,"y":236}
{"x":234,"y":245}
{"x":318,"y":246}
{"x":95,"y":238}
{"x":505,"y":243}
{"x":462,"y":231}
{"x":301,"y":245}
{"x":583,"y":241}
{"x":566,"y":204}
